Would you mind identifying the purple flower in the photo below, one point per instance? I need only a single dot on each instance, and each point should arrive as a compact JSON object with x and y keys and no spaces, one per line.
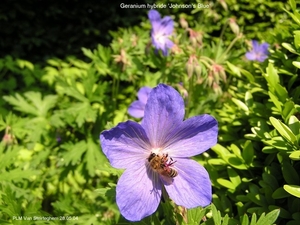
{"x":258,"y":52}
{"x":162,"y":28}
{"x":156,"y":155}
{"x":136,"y":109}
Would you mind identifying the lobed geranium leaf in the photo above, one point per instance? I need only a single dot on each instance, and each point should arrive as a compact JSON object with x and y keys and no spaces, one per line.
{"x":93,"y":157}
{"x":18,"y":174}
{"x":216,"y":215}
{"x":74,"y":153}
{"x":195,"y":215}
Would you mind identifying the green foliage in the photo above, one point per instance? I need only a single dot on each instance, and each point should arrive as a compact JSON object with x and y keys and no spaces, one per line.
{"x":51,"y":163}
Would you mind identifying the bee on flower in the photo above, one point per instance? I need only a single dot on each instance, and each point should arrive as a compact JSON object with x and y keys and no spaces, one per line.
{"x":155,"y":155}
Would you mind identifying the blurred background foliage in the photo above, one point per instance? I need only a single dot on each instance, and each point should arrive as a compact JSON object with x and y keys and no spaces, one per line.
{"x":70,"y":69}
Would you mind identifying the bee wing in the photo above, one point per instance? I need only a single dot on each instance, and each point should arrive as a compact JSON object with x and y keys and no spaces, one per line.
{"x":166,"y":180}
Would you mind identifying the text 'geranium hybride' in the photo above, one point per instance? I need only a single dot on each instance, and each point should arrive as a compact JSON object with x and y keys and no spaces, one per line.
{"x":162,"y":29}
{"x":156,"y":155}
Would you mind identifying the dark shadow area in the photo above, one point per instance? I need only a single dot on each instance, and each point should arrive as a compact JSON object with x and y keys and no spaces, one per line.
{"x":36,"y":30}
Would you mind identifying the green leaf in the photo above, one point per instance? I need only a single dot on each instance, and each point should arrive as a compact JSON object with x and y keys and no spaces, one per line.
{"x":294,"y":124}
{"x":292,"y":189}
{"x":107,"y":191}
{"x":25,"y":64}
{"x":83,"y":112}
{"x":274,"y":83}
{"x":279,"y":143}
{"x":296,"y":64}
{"x":269,"y":219}
{"x":234,"y":177}
{"x":226,"y":183}
{"x":88,"y":53}
{"x":297,"y":40}
{"x":295,"y":155}
{"x":240,"y":104}
{"x":270,"y":180}
{"x":195,"y":215}
{"x":245,"y":220}
{"x":269,"y":149}
{"x":93,"y":157}
{"x":248,"y":99}
{"x":293,"y":4}
{"x":18,"y":174}
{"x":20,"y":104}
{"x":295,"y":15}
{"x":10,"y":205}
{"x":89,"y":83}
{"x":248,"y":75}
{"x":234,"y":69}
{"x":74,"y":152}
{"x":216,"y":162}
{"x":258,"y":199}
{"x":71,"y":91}
{"x":290,"y":175}
{"x":280,"y":193}
{"x":216,"y":215}
{"x":33,"y":104}
{"x":253,"y":219}
{"x":288,"y":109}
{"x":248,"y":152}
{"x":220,"y":150}
{"x":105,"y":168}
{"x":8,"y":156}
{"x":275,"y":101}
{"x":288,"y":46}
{"x":284,"y":130}
{"x":235,"y":162}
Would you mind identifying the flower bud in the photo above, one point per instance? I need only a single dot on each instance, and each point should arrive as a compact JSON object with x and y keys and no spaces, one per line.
{"x":195,"y":37}
{"x":8,"y":139}
{"x":182,"y":90}
{"x":183,"y":23}
{"x":175,"y":49}
{"x":218,"y":72}
{"x":198,"y":69}
{"x":210,"y":79}
{"x":233,"y":25}
{"x":189,"y":68}
{"x":217,"y":89}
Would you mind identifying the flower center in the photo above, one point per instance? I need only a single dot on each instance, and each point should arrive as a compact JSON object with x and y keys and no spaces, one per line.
{"x":160,"y":38}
